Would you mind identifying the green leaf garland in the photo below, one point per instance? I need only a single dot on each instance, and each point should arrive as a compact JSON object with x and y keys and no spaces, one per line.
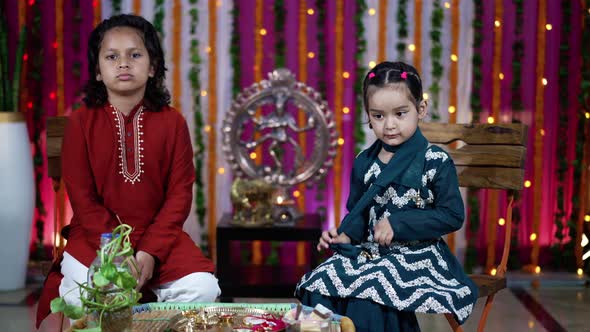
{"x":159,"y":15}
{"x":199,"y":152}
{"x":361,"y":48}
{"x":402,"y":29}
{"x":472,"y":194}
{"x":436,"y":21}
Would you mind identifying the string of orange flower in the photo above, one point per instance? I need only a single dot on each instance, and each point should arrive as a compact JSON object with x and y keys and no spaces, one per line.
{"x":538,"y":142}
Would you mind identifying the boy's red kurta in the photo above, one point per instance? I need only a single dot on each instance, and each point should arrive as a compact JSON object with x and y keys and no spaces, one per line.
{"x":137,"y":167}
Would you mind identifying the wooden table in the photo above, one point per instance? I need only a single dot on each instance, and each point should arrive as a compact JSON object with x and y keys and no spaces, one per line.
{"x":263,"y":280}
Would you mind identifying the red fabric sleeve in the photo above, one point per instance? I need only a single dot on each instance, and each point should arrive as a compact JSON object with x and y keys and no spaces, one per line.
{"x":167,"y":225}
{"x":87,"y":207}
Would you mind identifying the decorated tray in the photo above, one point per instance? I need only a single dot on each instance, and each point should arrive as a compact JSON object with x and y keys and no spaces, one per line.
{"x":226,"y":319}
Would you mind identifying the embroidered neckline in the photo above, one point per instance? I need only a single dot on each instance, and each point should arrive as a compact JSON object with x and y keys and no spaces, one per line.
{"x":137,"y":145}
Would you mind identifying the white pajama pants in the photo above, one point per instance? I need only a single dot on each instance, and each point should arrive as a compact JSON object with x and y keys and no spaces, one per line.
{"x":195,"y":287}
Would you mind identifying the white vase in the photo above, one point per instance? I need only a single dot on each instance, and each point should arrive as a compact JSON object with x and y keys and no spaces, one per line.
{"x":17,"y":200}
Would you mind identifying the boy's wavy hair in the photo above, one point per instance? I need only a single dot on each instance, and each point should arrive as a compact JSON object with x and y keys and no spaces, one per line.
{"x":390,"y":73}
{"x":156,"y":93}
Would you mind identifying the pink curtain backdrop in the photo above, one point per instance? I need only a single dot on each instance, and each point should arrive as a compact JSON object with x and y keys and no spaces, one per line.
{"x":79,"y":29}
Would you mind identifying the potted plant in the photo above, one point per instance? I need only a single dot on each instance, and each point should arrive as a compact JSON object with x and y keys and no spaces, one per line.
{"x":109,"y":294}
{"x":17,"y":192}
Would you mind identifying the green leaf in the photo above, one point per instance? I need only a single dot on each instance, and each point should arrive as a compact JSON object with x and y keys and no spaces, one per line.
{"x":73,"y":311}
{"x":109,"y":271}
{"x":100,"y":280}
{"x":125,"y":280}
{"x":58,"y":305}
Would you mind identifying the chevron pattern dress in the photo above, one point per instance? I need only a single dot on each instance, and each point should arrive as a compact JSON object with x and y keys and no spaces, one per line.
{"x":382,"y":287}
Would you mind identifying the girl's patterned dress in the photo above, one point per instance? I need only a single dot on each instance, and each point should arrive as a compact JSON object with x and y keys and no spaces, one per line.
{"x":381,"y":288}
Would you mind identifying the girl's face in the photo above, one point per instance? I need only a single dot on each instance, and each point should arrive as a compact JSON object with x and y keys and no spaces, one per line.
{"x":392,"y":114}
{"x":124,"y":63}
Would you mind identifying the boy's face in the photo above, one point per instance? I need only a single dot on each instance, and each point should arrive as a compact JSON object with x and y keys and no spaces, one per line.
{"x":124,"y":63}
{"x":392,"y":114}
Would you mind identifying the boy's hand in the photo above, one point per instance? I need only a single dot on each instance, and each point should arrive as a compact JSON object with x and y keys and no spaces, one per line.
{"x":145,"y":265}
{"x":330,"y":237}
{"x":383,"y":233}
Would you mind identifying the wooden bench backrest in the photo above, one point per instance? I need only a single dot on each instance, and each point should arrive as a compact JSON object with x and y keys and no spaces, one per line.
{"x":493,"y":155}
{"x":55,"y":133}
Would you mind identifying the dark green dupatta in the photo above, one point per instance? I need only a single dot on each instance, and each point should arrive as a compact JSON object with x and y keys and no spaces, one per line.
{"x":405,"y":168}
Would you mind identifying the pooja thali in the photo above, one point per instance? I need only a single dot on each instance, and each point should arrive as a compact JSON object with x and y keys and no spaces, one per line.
{"x":226,"y":319}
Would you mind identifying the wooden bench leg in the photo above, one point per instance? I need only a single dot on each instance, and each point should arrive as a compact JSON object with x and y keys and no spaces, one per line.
{"x":454,"y":325}
{"x":484,"y":315}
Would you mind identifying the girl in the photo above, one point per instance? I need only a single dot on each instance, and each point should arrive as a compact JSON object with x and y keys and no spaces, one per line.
{"x":127,"y":155}
{"x":390,"y":260}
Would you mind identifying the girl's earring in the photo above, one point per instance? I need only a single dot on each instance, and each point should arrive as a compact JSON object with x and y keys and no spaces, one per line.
{"x":98,"y":77}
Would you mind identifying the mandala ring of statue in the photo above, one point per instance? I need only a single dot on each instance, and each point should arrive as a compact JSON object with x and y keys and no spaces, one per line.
{"x":249,"y":127}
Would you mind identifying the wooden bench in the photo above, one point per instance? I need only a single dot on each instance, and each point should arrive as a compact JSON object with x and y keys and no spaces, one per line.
{"x":493,"y":157}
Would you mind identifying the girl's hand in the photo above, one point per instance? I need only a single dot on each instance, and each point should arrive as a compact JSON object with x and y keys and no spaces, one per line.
{"x":331,"y":236}
{"x":383,"y":233}
{"x":145,"y":264}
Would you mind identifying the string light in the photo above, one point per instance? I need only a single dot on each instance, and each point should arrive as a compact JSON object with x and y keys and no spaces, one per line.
{"x":52,"y":95}
{"x":310,"y":11}
{"x":372,"y":64}
{"x":501,"y":76}
{"x":493,"y":272}
{"x":584,"y":240}
{"x":587,"y":115}
{"x":447,"y":5}
{"x":412,"y":47}
{"x":221,"y":170}
{"x":527,"y":184}
{"x":587,"y":218}
{"x":451,"y":109}
{"x":341,"y":141}
{"x":253,"y":155}
{"x":544,"y":81}
{"x":207,"y":128}
{"x":345,"y":110}
{"x":310,"y":55}
{"x":531,"y":324}
{"x":296,"y":193}
{"x":208,"y":49}
{"x":501,"y":221}
{"x":218,"y":3}
{"x":203,"y":93}
{"x":263,"y":32}
{"x":454,"y":57}
{"x":345,"y":74}
{"x":372,"y":11}
{"x":533,"y":236}
{"x":490,"y":119}
{"x":497,"y":23}
{"x":542,"y":132}
{"x":548,"y":27}
{"x":425,"y":96}
{"x":580,"y":272}
{"x":537,"y":269}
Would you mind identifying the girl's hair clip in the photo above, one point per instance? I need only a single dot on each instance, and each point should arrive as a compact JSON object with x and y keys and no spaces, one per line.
{"x":404,"y":75}
{"x":371,"y":75}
